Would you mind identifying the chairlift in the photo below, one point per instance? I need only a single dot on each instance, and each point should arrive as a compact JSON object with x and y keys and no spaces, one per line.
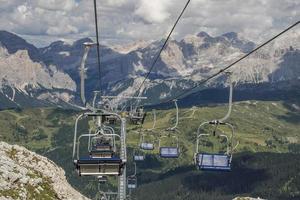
{"x":169,"y":151}
{"x":146,"y":144}
{"x":102,"y":160}
{"x":101,"y":148}
{"x":111,"y":119}
{"x":138,"y":155}
{"x":132,"y":180}
{"x":137,"y":116}
{"x":217,"y":161}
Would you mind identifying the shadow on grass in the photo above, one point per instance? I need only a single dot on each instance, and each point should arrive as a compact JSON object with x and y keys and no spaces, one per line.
{"x":293,"y":115}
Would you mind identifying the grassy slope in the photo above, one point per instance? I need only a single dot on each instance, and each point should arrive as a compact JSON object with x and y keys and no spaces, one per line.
{"x":50,"y":132}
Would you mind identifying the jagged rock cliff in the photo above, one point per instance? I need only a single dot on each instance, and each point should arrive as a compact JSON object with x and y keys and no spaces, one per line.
{"x":27,"y":175}
{"x":21,"y":78}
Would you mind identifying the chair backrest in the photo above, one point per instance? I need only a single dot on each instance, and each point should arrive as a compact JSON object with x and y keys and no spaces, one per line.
{"x":138,"y":157}
{"x":169,"y":152}
{"x":213,"y":161}
{"x":147,"y":146}
{"x":131,"y":182}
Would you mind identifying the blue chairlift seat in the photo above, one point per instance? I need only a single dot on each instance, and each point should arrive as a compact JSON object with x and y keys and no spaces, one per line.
{"x":89,"y":166}
{"x":213,"y":162}
{"x":147,"y":146}
{"x":131,"y":183}
{"x":138,"y":157}
{"x":169,"y":152}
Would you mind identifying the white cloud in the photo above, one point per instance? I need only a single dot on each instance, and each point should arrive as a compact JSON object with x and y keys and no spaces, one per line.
{"x":128,"y":20}
{"x":154,"y":11}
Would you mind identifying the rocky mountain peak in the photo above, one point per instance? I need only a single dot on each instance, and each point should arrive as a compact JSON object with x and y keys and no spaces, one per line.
{"x":13,"y":43}
{"x":203,"y":34}
{"x":231,"y":35}
{"x":27,"y":175}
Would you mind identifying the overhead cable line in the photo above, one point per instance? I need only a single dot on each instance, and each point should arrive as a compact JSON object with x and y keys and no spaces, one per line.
{"x":98,"y":45}
{"x":231,"y":65}
{"x":162,"y":48}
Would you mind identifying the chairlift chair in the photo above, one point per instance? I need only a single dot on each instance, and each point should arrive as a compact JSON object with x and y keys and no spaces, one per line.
{"x":214,"y":161}
{"x":132,"y":180}
{"x":146,"y":145}
{"x":101,"y":150}
{"x":111,"y":119}
{"x":138,"y":155}
{"x":102,"y":161}
{"x":217,"y":161}
{"x":137,"y":116}
{"x":169,"y":151}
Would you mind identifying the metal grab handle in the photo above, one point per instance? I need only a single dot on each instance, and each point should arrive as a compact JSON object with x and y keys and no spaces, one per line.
{"x":75,"y":134}
{"x":78,"y":142}
{"x":86,"y":115}
{"x":230,"y":149}
{"x":92,"y":135}
{"x":198,"y":139}
{"x":227,"y":144}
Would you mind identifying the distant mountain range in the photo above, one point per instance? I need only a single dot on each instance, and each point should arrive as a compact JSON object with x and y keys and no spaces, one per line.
{"x":50,"y":75}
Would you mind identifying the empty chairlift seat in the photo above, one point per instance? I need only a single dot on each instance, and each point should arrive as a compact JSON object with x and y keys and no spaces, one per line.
{"x":138,"y":157}
{"x":147,"y":146}
{"x":111,"y":119}
{"x":169,"y":152}
{"x":88,"y":166}
{"x":131,"y":183}
{"x":102,"y":151}
{"x":214,"y":162}
{"x":137,"y":117}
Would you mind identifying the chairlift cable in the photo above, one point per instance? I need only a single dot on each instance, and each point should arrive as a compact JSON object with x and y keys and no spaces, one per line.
{"x":162,"y":48}
{"x":98,"y":45}
{"x":231,"y":65}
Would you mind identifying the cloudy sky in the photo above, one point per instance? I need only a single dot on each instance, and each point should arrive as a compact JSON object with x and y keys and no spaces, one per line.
{"x":123,"y":21}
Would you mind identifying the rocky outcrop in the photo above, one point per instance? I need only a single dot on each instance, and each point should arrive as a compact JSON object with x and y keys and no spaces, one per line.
{"x":27,"y":175}
{"x":20,"y":76}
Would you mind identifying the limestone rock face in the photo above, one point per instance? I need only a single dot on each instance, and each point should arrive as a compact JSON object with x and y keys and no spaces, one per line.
{"x":27,"y":175}
{"x":20,"y":71}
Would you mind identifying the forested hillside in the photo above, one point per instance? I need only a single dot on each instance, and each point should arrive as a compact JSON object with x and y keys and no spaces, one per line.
{"x":266,"y":163}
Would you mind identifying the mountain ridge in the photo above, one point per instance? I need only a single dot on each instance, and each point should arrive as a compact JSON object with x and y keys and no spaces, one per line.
{"x":181,"y":65}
